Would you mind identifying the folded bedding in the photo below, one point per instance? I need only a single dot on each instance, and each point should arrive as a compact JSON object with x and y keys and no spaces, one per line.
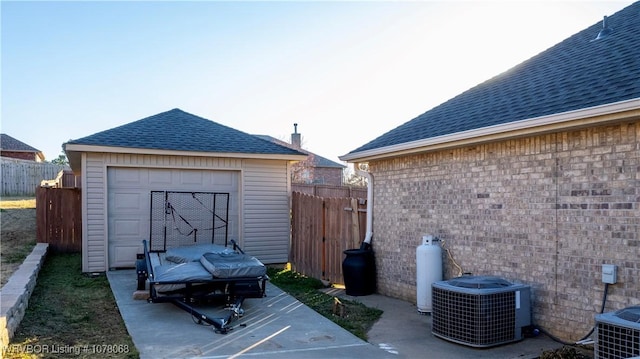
{"x":204,"y":262}
{"x":193,"y":253}
{"x":183,"y":272}
{"x":232,"y":265}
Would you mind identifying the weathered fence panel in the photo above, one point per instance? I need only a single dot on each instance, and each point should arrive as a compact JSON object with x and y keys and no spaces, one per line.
{"x":306,"y":227}
{"x":342,"y":232}
{"x":322,"y":229}
{"x":327,"y":191}
{"x":64,"y":179}
{"x":59,"y":218}
{"x":22,"y":177}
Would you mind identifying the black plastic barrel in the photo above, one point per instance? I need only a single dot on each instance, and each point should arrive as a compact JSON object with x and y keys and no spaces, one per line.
{"x":359,"y":271}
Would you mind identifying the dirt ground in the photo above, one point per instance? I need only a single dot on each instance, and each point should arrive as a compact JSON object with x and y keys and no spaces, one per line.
{"x":17,"y":238}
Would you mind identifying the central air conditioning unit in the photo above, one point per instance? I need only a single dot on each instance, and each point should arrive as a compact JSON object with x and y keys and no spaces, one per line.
{"x":618,"y":334}
{"x":480,"y":311}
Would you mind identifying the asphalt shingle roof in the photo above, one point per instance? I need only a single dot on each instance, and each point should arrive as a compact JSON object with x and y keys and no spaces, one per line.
{"x":8,"y":143}
{"x":574,"y":74}
{"x":181,"y":131}
{"x":316,"y":160}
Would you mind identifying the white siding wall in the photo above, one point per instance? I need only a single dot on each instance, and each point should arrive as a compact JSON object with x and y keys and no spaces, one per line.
{"x":267,"y":224}
{"x":94,"y":233}
{"x":264,"y":211}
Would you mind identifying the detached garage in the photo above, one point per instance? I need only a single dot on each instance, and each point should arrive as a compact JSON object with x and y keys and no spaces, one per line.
{"x":175,"y":153}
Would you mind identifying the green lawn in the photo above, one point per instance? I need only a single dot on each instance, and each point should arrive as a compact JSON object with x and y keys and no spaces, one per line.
{"x":353,"y":316}
{"x":71,"y":314}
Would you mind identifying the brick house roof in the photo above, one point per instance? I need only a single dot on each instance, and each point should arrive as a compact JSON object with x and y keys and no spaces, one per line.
{"x":577,"y":73}
{"x":181,"y":131}
{"x":313,"y":159}
{"x":10,"y":144}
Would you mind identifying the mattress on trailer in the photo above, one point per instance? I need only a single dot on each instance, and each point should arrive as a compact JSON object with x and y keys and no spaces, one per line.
{"x":184,"y":272}
{"x":232,"y":265}
{"x":193,"y":253}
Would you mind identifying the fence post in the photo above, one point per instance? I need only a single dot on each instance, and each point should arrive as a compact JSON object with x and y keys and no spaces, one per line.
{"x":355,"y":221}
{"x":324,"y":240}
{"x":41,"y":215}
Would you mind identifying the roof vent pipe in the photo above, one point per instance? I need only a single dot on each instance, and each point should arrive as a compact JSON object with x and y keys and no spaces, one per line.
{"x":296,"y":139}
{"x":606,"y":30}
{"x":366,"y":244}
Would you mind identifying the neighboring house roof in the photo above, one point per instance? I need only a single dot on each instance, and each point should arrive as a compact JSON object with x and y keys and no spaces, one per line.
{"x":176,"y":130}
{"x":8,"y":143}
{"x":314,"y":159}
{"x":576,"y":74}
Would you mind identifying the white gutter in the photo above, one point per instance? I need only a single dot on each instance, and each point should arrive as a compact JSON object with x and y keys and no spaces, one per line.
{"x":150,"y":151}
{"x":559,"y":121}
{"x":369,"y":177}
{"x":73,"y":152}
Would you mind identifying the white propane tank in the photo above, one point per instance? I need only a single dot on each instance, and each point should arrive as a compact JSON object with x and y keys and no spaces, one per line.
{"x":428,"y":271}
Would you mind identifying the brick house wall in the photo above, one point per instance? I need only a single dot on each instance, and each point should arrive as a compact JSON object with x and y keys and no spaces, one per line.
{"x":547,"y":211}
{"x":29,"y":156}
{"x":330,"y":176}
{"x":302,"y":172}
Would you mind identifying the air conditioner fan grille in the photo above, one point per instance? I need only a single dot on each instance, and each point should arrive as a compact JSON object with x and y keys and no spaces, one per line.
{"x":477,"y":320}
{"x":631,"y":314}
{"x":479,"y":282}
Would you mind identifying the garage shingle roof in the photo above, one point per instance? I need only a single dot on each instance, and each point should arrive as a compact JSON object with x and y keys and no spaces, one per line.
{"x":575,"y":74}
{"x":181,"y":131}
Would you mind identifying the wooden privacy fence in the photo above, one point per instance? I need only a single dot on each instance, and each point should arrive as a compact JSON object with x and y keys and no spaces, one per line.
{"x":321,"y":230}
{"x":65,"y":179}
{"x":325,"y":190}
{"x":59,"y":218}
{"x":21,"y":177}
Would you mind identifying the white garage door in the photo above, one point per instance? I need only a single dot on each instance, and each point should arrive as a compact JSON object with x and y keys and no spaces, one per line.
{"x":129,"y":199}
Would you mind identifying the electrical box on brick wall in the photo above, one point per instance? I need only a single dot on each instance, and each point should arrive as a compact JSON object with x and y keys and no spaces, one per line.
{"x":609,"y":273}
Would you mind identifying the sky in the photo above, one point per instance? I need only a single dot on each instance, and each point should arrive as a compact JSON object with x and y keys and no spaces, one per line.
{"x":345,"y":72}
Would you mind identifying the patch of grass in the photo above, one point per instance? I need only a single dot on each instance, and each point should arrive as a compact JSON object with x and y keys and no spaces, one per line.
{"x":17,"y":202}
{"x":567,"y":352}
{"x":17,"y":239}
{"x":70,"y":311}
{"x":357,"y":318}
{"x":17,"y":253}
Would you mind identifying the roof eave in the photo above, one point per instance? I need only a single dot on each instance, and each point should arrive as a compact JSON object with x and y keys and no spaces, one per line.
{"x":597,"y":115}
{"x":74,"y":150}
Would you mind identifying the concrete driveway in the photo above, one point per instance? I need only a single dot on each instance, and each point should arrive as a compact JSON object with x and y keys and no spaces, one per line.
{"x":279,"y":326}
{"x":275,"y":326}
